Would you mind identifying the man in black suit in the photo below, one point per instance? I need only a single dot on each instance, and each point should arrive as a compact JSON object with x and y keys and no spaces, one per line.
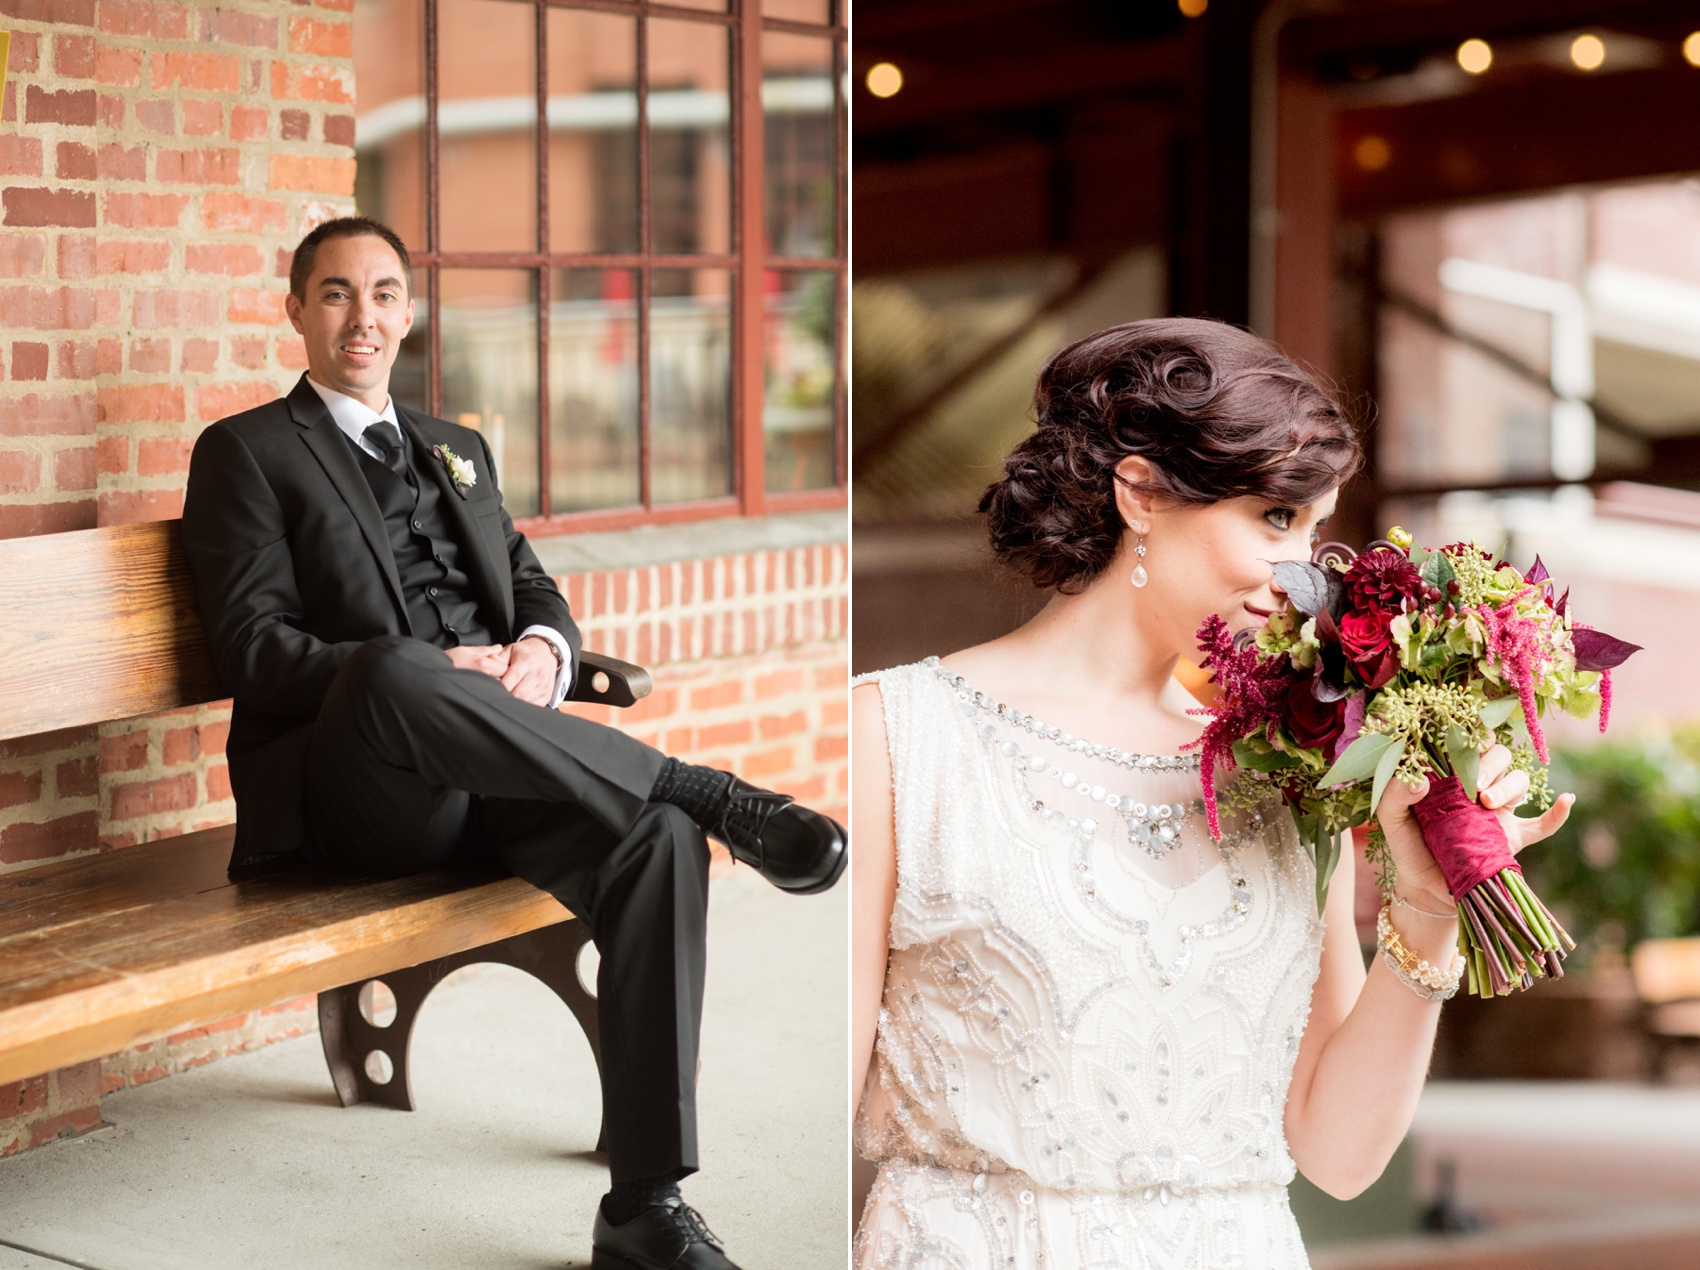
{"x":395,"y":651}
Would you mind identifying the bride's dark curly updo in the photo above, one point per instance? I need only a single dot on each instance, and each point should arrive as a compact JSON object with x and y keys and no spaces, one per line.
{"x":1218,"y":412}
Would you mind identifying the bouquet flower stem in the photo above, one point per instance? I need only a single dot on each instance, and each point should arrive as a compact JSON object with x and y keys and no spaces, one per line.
{"x":1507,"y":936}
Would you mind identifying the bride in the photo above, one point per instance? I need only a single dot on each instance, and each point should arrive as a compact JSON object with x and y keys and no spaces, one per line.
{"x":1086,"y":1034}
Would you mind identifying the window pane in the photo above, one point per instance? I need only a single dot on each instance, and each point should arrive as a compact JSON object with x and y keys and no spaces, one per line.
{"x":713,"y":6}
{"x":690,"y":173}
{"x":490,"y":371}
{"x":593,"y":139}
{"x":797,"y":406}
{"x":797,"y":104}
{"x":690,"y":384}
{"x":410,"y":377}
{"x":389,"y":128}
{"x":593,"y":389}
{"x":487,"y":125}
{"x":797,"y":11}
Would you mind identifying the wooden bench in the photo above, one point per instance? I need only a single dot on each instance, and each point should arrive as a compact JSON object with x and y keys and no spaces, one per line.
{"x":1667,"y":980}
{"x":105,"y":951}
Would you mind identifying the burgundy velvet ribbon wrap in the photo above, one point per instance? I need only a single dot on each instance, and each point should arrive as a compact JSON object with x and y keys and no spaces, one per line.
{"x":1464,"y":837}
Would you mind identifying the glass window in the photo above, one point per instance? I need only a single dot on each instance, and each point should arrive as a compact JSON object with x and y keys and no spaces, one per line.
{"x":389,"y":135}
{"x":593,"y":132}
{"x":798,"y":10}
{"x":585,"y":277}
{"x":489,"y":321}
{"x":594,"y":441}
{"x":799,"y":145}
{"x":487,"y":125}
{"x":690,"y":384}
{"x":797,"y":404}
{"x":690,"y":170}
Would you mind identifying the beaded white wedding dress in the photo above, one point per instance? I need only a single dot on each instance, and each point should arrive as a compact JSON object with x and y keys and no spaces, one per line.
{"x":1091,"y":1009}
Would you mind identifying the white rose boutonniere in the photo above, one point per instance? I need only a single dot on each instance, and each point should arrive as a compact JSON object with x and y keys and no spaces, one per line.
{"x":460,"y":470}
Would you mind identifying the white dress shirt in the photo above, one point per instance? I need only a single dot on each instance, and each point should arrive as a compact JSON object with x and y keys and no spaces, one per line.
{"x":353,"y":418}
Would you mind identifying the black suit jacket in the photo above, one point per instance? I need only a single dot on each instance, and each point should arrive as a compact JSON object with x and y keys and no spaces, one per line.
{"x":293,"y":571}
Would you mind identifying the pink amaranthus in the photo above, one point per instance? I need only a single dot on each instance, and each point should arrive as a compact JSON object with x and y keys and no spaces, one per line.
{"x":1252,"y":696}
{"x":1515,"y":643}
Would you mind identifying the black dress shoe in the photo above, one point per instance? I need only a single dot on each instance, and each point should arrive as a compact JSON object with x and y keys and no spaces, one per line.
{"x":669,"y":1236}
{"x":798,"y":850}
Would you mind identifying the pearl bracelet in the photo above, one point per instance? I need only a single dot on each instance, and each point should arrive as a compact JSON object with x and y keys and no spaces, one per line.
{"x":1430,"y":983}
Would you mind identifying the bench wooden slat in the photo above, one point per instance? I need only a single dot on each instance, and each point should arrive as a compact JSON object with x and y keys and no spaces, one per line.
{"x":141,"y":962}
{"x":67,"y":891}
{"x":100,"y":624}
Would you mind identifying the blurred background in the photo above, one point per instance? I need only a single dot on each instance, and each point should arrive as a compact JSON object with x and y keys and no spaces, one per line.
{"x":1481,"y":220}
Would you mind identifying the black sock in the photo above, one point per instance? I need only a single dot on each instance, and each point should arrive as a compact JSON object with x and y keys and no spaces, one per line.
{"x":627,"y":1199}
{"x":699,"y":792}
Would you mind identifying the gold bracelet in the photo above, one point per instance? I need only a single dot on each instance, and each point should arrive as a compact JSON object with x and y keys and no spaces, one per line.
{"x":1431,"y":983}
{"x":1402,"y":902}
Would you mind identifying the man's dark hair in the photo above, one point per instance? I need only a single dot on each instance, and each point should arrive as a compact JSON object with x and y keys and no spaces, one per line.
{"x":301,"y":267}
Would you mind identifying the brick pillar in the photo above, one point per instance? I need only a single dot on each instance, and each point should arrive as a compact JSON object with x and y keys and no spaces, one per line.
{"x":158,"y":161}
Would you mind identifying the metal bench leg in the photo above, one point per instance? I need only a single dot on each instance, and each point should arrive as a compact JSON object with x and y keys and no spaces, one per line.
{"x":550,"y":954}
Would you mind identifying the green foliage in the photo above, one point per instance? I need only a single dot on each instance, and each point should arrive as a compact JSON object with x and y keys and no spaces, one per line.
{"x":1626,"y":866}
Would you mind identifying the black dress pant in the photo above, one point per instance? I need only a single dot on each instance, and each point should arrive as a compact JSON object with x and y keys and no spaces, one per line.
{"x":414,"y":764}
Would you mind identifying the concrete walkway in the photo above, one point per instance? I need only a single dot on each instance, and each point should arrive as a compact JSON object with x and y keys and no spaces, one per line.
{"x":249,"y":1163}
{"x":1563,"y":1176}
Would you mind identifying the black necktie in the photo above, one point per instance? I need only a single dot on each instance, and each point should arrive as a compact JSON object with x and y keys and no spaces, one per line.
{"x":387,"y":439}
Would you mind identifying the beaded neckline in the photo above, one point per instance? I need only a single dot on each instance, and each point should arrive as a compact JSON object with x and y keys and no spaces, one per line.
{"x":969,"y":696}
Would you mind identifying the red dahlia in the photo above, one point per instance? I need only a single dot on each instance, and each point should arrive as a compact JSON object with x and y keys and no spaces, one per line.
{"x":1379,"y":579}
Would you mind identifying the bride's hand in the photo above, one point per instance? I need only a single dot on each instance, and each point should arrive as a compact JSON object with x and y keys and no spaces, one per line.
{"x":1499,"y":788}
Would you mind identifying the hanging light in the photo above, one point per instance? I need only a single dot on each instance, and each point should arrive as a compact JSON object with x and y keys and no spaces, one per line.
{"x":1475,"y":56}
{"x":1588,"y":52}
{"x":1193,"y":8}
{"x":884,"y":80}
{"x":1691,"y":49}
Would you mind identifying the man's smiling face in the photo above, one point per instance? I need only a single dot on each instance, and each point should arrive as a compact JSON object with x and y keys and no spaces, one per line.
{"x":354,"y":313}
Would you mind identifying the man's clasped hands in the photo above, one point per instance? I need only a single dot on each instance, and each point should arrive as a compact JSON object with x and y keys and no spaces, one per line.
{"x":526,"y":668}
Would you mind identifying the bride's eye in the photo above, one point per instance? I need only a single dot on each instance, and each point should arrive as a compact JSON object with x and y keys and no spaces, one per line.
{"x":1280,"y":517}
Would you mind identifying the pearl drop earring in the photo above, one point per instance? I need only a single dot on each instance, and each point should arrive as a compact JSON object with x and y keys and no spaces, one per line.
{"x":1139,"y":575}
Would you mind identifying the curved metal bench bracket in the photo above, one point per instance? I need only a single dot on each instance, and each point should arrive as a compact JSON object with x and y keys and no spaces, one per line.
{"x":550,"y":954}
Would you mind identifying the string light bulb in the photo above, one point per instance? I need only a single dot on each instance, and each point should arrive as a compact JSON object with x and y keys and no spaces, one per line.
{"x":1588,"y":52}
{"x":1691,"y":49}
{"x":884,"y":80}
{"x":1193,"y":8}
{"x":1475,"y":56}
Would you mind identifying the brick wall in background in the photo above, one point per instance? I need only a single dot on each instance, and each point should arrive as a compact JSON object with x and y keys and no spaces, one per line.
{"x":751,"y":660}
{"x":156,"y":159}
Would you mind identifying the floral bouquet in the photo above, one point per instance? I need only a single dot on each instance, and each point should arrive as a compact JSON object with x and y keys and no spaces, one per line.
{"x":1408,"y":662}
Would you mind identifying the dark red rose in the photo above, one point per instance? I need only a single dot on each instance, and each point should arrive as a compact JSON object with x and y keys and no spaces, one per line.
{"x":1379,"y":579}
{"x":1369,"y":647}
{"x":1313,"y":724}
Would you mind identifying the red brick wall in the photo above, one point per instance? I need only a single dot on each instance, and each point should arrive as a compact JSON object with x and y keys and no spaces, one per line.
{"x":158,"y":160}
{"x":751,"y":660}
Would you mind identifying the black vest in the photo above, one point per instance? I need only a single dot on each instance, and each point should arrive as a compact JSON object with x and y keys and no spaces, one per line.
{"x":440,"y":601}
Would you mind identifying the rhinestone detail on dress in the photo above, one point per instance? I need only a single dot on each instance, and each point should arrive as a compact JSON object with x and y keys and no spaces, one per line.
{"x":966,"y":694}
